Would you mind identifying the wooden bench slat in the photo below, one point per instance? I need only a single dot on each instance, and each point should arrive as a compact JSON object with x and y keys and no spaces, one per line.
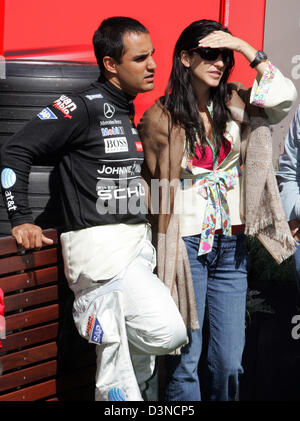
{"x":32,"y":393}
{"x":30,"y":337}
{"x":29,"y":279}
{"x":8,"y":245}
{"x":29,"y":353}
{"x":28,"y":261}
{"x":28,"y":356}
{"x":30,"y":298}
{"x":32,"y":317}
{"x":28,"y":375}
{"x":54,"y":387}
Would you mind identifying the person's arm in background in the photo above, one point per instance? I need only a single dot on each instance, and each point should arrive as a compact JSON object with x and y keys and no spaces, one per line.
{"x":288,"y":176}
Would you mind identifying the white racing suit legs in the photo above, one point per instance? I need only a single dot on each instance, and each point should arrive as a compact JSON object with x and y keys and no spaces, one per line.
{"x":131,"y":318}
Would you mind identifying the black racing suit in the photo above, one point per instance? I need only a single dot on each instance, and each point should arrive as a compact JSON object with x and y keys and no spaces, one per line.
{"x":100,"y":161}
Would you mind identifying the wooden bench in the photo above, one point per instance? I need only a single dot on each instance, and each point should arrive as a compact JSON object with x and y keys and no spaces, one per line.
{"x":42,"y":357}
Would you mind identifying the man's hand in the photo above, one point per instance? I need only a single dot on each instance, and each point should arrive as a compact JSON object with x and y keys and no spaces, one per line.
{"x":30,"y":236}
{"x":295,"y":228}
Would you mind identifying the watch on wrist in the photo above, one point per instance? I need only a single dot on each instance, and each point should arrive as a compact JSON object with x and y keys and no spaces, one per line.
{"x":260,"y":56}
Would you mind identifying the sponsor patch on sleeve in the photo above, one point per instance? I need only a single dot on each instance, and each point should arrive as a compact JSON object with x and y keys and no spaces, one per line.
{"x":47,"y":114}
{"x":65,"y":105}
{"x":97,"y":333}
{"x":94,"y":330}
{"x":8,"y":178}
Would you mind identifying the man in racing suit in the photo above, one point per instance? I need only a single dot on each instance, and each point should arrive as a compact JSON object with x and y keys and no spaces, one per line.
{"x":120,"y":305}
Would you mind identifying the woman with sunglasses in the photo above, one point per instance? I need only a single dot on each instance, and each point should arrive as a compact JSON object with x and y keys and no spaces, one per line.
{"x":208,"y":143}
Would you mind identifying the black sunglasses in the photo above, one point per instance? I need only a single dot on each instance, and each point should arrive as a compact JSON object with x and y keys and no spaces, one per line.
{"x":211,"y":54}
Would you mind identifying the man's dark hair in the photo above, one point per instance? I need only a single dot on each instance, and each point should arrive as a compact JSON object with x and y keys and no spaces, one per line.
{"x":108,"y":38}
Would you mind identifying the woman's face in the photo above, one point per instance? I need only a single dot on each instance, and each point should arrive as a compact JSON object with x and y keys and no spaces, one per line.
{"x":204,"y":72}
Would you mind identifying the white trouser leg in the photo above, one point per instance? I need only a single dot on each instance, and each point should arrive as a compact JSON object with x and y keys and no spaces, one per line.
{"x":143,"y":366}
{"x":153,"y":323}
{"x":99,"y":317}
{"x":134,"y":306}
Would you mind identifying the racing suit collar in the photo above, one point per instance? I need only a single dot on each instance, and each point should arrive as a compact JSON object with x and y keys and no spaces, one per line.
{"x":121,"y":97}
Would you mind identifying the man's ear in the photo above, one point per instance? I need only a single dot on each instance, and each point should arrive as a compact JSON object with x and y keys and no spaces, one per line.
{"x":110,"y":64}
{"x":185,"y":58}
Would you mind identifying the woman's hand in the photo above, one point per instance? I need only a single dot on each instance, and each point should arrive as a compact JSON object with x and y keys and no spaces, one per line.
{"x":221,"y":39}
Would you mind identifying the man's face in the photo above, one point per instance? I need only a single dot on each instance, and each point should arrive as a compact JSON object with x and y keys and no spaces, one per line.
{"x":135,"y":73}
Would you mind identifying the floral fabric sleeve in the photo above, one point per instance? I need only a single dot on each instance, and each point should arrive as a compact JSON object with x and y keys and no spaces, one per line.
{"x":264,"y":85}
{"x":274,"y":92}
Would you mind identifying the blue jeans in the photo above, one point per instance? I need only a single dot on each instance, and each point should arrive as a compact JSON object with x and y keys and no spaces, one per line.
{"x":220,"y":285}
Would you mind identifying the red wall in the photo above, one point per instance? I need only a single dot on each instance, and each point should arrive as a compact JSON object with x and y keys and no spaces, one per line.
{"x":64,"y":29}
{"x":1,"y":27}
{"x":246,"y":20}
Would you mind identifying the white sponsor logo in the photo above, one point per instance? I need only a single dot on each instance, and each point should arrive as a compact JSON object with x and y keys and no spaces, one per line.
{"x":65,"y":105}
{"x":94,"y":96}
{"x":116,"y":144}
{"x":10,"y":201}
{"x":121,"y":198}
{"x":131,"y":170}
{"x":114,"y":192}
{"x":110,"y":122}
{"x":109,"y":110}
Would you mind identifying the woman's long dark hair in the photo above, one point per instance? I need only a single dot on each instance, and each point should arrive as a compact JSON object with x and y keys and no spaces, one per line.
{"x":180,"y":99}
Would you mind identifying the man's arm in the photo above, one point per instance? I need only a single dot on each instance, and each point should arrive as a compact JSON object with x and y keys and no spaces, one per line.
{"x":47,"y":133}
